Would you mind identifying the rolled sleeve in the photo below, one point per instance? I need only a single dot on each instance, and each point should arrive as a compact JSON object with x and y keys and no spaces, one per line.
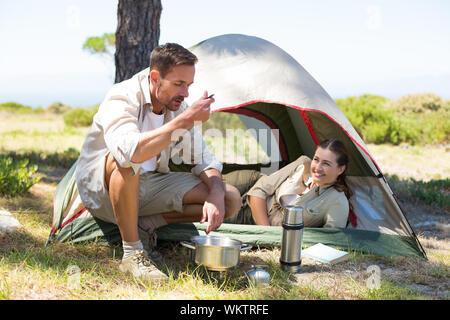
{"x":119,"y":119}
{"x":201,"y":156}
{"x":208,"y":161}
{"x":268,"y":185}
{"x":263,"y":188}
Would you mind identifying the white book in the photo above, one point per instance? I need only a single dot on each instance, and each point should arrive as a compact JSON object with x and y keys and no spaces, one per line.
{"x":325,"y":254}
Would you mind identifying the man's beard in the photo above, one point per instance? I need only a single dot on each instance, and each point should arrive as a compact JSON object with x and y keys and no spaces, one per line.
{"x":173,"y":104}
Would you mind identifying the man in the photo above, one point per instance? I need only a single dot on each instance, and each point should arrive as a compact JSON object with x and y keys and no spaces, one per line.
{"x":123,"y":174}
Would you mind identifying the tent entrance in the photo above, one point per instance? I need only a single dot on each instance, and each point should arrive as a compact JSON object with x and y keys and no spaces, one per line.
{"x":310,"y":128}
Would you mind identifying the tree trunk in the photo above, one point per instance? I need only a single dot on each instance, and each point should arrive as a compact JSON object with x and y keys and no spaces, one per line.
{"x":136,"y":35}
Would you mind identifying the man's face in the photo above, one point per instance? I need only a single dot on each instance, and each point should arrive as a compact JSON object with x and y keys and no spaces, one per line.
{"x":174,"y":87}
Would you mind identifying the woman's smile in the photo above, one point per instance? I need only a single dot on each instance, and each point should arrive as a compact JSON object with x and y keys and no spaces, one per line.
{"x":324,"y":167}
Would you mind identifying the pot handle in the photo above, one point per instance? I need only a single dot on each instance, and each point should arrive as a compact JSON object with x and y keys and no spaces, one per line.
{"x":187,"y":245}
{"x":245,"y":246}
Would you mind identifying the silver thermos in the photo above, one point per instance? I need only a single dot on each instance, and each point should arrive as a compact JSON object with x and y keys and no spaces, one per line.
{"x":291,"y":242}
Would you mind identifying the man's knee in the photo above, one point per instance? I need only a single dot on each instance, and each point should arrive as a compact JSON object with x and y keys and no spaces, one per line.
{"x":198,"y":194}
{"x":112,"y":168}
{"x":233,"y":201}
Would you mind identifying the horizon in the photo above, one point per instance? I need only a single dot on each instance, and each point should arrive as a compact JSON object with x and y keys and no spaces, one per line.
{"x":351,"y":48}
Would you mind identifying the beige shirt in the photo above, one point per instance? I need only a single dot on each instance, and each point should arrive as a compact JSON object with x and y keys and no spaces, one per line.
{"x":323,"y":206}
{"x":151,"y":122}
{"x":116,"y":128}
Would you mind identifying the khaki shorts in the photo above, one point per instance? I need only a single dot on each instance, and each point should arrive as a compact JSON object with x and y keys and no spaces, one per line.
{"x":164,"y":192}
{"x":243,"y":180}
{"x":158,"y":193}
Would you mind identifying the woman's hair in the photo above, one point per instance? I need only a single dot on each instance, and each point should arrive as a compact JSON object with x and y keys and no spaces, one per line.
{"x":164,"y":57}
{"x":338,"y":148}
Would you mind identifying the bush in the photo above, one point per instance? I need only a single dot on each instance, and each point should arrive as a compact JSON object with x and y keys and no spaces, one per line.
{"x":58,"y":108}
{"x":412,"y":119}
{"x":373,"y":121}
{"x":417,"y":103}
{"x":15,"y":177}
{"x":426,"y":114}
{"x":434,"y":127}
{"x":80,"y":117}
{"x":433,"y":192}
{"x":15,"y":107}
{"x":63,"y":159}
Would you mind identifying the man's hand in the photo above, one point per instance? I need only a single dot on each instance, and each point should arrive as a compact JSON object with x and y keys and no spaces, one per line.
{"x":200,"y":109}
{"x":214,"y":206}
{"x":213,"y":211}
{"x":152,"y":142}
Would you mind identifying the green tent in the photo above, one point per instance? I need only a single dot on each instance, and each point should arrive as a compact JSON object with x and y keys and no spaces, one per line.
{"x":288,"y":113}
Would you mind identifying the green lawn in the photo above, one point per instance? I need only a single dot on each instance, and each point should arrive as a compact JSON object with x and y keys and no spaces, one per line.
{"x":28,"y":270}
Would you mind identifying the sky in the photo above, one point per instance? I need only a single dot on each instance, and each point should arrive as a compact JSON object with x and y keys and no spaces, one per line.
{"x":351,"y":47}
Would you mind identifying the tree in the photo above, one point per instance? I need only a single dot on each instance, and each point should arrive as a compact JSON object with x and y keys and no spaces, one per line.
{"x":103,"y":45}
{"x":136,"y":35}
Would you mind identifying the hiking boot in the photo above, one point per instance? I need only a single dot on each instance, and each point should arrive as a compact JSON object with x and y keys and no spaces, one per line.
{"x":139,"y":265}
{"x":149,"y":238}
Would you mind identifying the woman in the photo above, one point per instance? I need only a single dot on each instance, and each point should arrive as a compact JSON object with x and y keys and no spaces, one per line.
{"x":317,"y":185}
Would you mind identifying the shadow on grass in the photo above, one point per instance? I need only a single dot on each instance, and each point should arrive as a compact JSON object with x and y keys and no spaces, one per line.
{"x":434,"y":193}
{"x":51,"y":166}
{"x":179,"y":262}
{"x":38,"y":203}
{"x":63,"y":159}
{"x":24,"y":252}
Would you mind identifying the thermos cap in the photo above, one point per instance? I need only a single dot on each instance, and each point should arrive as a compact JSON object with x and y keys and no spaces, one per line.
{"x":293,"y":215}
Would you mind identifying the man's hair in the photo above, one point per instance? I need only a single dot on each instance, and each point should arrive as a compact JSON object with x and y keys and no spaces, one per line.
{"x":169,"y":55}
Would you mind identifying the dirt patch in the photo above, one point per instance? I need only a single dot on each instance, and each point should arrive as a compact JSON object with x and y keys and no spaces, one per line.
{"x":427,"y":221}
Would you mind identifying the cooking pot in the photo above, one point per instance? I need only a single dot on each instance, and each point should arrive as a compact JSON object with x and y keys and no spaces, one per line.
{"x":216,"y":253}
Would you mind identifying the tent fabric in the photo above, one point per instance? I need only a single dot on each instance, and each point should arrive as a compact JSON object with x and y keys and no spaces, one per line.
{"x":268,"y":89}
{"x":254,"y":75}
{"x":249,"y":69}
{"x":88,"y":228}
{"x":367,"y":242}
{"x":64,"y":195}
{"x":362,"y":241}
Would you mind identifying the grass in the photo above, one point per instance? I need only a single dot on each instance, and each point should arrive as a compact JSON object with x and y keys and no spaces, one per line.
{"x":41,"y":133}
{"x":433,"y":192}
{"x":28,"y":270}
{"x":421,"y":163}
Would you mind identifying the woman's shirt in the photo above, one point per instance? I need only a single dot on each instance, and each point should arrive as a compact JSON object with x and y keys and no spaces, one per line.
{"x":323,"y":206}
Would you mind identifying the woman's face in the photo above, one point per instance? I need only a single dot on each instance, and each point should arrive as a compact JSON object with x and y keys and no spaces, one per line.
{"x":324,"y":167}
